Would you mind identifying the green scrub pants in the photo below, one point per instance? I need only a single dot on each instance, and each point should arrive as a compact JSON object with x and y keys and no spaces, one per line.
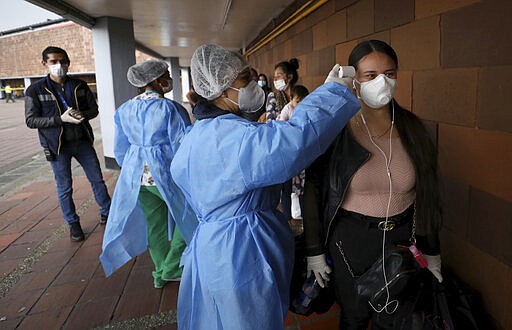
{"x":165,"y":256}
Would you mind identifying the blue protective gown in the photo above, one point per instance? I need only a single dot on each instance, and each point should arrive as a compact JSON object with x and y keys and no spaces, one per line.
{"x":147,"y":131}
{"x":237,"y":268}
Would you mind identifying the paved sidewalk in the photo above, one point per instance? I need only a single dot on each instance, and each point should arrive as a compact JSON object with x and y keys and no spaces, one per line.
{"x":49,"y":282}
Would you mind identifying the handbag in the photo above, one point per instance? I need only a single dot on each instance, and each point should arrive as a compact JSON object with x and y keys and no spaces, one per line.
{"x":400,"y":268}
{"x":441,"y":306}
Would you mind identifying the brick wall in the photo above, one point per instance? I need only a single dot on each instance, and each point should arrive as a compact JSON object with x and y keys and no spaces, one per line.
{"x":455,"y":65}
{"x":21,"y":53}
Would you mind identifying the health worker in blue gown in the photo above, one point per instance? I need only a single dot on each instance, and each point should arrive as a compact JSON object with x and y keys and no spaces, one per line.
{"x":147,"y":204}
{"x":238,"y":265}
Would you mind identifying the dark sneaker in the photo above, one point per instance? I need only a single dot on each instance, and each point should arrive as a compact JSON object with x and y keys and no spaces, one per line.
{"x":103,"y":219}
{"x":76,"y":233}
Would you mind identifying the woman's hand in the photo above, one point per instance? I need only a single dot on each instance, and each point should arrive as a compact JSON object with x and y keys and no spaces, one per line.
{"x":318,"y":265}
{"x":434,"y":265}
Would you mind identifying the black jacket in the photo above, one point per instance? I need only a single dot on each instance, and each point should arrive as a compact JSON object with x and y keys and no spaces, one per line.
{"x":329,"y":177}
{"x":43,"y":110}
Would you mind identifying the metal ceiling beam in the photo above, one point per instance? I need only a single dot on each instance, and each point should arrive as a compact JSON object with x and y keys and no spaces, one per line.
{"x":65,"y":10}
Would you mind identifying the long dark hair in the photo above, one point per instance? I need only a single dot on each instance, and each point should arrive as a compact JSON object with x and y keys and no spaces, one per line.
{"x":369,"y":46}
{"x":423,"y":152}
{"x":418,"y":144}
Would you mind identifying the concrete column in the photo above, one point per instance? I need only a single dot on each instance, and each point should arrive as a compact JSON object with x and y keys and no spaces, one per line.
{"x":176,"y":79}
{"x":26,"y":82}
{"x":114,"y":53}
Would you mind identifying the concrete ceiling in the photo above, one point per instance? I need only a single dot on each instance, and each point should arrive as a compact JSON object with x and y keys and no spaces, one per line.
{"x":175,"y":28}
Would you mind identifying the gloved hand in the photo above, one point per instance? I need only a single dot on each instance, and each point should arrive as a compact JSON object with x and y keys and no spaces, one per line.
{"x":434,"y":265}
{"x":346,"y":77}
{"x":319,"y":267}
{"x":72,"y":116}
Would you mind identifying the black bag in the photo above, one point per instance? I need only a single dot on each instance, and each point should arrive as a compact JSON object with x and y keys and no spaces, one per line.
{"x":400,"y":269}
{"x":441,"y":306}
{"x":325,"y":299}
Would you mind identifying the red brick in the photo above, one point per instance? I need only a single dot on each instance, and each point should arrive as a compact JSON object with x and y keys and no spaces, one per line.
{"x":341,"y":4}
{"x":77,"y":272}
{"x":418,"y":44}
{"x":493,"y":239}
{"x":440,"y":96}
{"x":169,"y":296}
{"x":382,"y":35}
{"x":99,"y":287}
{"x":135,"y":304}
{"x":478,"y":35}
{"x":343,"y":51}
{"x":60,"y":296}
{"x":290,"y":322}
{"x":140,"y":280}
{"x":8,"y":239}
{"x":426,"y":8}
{"x":51,"y":259}
{"x":53,"y":319}
{"x":321,"y":13}
{"x":89,"y":253}
{"x":321,"y":62}
{"x":403,"y":94}
{"x":40,"y":279}
{"x":302,"y":43}
{"x":506,"y":321}
{"x":491,"y":285}
{"x":360,"y":19}
{"x":494,"y":84}
{"x":464,"y":156}
{"x":11,"y":323}
{"x":92,"y":313}
{"x":32,"y":237}
{"x":15,"y":305}
{"x":455,"y":203}
{"x":320,"y":35}
{"x":337,"y":28}
{"x":391,"y":13}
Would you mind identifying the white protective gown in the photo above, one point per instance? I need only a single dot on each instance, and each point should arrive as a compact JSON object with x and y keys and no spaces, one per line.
{"x":237,"y":268}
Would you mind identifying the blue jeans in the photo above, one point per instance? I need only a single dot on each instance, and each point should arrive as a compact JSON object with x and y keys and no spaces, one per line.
{"x":85,"y":154}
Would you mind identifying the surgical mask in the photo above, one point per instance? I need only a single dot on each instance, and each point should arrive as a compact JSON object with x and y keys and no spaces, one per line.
{"x":58,"y":70}
{"x":261,"y":83}
{"x":250,"y":97}
{"x":377,"y":92}
{"x":280,"y":84}
{"x":168,"y":88}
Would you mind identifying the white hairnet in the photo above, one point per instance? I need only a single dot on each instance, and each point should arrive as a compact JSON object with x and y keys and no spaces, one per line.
{"x":141,"y":74}
{"x":214,"y":69}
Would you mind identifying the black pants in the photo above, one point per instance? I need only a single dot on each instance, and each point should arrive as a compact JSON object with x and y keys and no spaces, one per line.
{"x":286,"y":199}
{"x":362,"y":245}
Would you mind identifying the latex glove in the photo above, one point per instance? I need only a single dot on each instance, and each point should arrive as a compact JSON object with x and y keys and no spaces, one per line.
{"x":434,"y":265}
{"x":72,"y":116}
{"x":318,"y":265}
{"x":341,"y":76}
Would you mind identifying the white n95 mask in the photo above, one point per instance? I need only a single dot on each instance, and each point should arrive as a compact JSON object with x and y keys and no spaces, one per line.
{"x":377,"y":92}
{"x":250,"y":97}
{"x":280,"y":84}
{"x":58,"y":70}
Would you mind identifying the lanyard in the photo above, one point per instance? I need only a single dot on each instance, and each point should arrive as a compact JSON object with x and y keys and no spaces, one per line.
{"x":61,"y":97}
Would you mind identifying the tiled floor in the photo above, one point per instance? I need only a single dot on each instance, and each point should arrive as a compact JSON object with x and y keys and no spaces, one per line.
{"x":48,"y":282}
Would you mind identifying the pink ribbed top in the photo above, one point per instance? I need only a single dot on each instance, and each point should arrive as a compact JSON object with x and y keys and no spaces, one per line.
{"x":368,"y":192}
